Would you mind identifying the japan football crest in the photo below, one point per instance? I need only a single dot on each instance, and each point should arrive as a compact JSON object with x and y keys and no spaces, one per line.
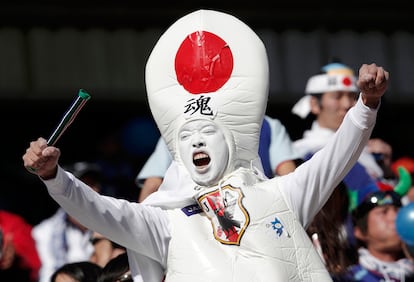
{"x":228,"y":216}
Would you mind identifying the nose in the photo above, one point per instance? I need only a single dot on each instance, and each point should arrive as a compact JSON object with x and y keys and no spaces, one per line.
{"x":198,"y":141}
{"x":198,"y":144}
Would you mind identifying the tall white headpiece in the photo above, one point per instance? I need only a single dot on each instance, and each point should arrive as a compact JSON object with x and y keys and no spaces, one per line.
{"x":210,"y":65}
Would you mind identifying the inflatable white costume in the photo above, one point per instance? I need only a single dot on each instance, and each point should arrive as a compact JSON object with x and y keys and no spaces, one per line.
{"x":207,"y":82}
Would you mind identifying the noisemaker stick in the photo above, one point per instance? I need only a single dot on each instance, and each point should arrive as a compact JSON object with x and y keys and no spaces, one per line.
{"x":69,"y":116}
{"x":67,"y":119}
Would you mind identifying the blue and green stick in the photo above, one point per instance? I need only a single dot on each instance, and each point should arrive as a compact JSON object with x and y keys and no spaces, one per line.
{"x":69,"y":116}
{"x":67,"y":119}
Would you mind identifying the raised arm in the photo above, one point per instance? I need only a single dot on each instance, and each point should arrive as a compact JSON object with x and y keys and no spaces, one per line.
{"x":309,"y":187}
{"x":138,"y":227}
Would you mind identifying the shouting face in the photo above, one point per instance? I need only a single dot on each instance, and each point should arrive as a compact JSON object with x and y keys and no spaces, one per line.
{"x":204,"y":151}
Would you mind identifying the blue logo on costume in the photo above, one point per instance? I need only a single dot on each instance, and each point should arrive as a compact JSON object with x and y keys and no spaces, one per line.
{"x":277,"y":226}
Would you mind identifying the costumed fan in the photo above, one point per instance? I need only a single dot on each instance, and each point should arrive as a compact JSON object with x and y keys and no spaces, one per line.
{"x":217,"y":218}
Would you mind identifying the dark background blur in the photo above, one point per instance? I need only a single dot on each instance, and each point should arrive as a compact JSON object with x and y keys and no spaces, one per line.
{"x":51,"y":49}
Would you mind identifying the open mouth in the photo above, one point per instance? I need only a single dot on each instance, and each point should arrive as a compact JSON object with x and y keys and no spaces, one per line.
{"x":201,"y":159}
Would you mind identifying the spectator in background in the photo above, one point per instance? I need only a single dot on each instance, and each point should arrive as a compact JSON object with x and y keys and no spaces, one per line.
{"x":82,"y":271}
{"x":329,"y":96}
{"x":328,"y":232}
{"x":61,"y":239}
{"x":381,"y":257}
{"x":19,"y":260}
{"x":275,"y":151}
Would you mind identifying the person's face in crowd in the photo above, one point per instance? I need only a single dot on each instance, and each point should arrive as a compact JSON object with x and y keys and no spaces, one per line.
{"x":381,"y":237}
{"x":331,"y":108}
{"x":204,"y":151}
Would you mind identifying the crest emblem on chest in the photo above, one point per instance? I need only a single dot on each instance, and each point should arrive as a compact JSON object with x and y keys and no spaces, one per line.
{"x":227,"y":214}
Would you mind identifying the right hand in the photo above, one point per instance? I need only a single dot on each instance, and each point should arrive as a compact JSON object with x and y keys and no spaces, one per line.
{"x":41,"y":159}
{"x":372,"y":81}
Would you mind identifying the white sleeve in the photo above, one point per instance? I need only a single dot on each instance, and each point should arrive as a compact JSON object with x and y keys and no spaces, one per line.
{"x":157,"y":164}
{"x":143,"y":229}
{"x":308,"y":188}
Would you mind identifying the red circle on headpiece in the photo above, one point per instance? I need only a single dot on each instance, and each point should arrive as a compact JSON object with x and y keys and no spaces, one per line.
{"x":203,"y":62}
{"x":346,"y":81}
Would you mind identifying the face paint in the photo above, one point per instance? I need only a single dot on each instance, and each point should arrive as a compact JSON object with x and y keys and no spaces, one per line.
{"x":204,"y":151}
